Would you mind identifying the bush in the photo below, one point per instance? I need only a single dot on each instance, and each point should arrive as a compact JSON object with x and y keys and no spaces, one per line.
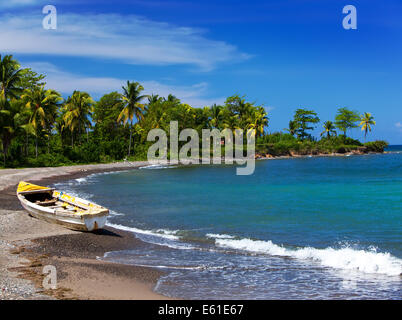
{"x":89,"y":152}
{"x":275,"y":138}
{"x":342,"y":140}
{"x":115,"y":149}
{"x":71,"y":153}
{"x":376,"y":146}
{"x":48,"y":160}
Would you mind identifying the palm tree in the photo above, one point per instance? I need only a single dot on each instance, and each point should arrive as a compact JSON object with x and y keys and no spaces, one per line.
{"x":156,"y":115}
{"x":10,"y":108}
{"x":171,"y":98}
{"x":153,"y":98}
{"x":259,"y":121}
{"x":10,"y":77}
{"x":137,"y":131}
{"x":131,"y":99}
{"x":230,"y":121}
{"x":329,"y":128}
{"x":42,"y":105}
{"x":10,"y":122}
{"x":216,"y":116}
{"x":292,"y":127}
{"x":78,"y":109}
{"x":367,"y":120}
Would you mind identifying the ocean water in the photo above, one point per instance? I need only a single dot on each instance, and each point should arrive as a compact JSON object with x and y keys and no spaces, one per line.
{"x":308,"y":228}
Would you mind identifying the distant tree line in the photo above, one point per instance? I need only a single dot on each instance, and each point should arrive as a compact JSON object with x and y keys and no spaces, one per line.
{"x":40,"y":128}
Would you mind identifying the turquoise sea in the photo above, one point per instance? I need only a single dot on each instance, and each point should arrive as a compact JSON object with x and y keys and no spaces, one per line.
{"x":306,"y":228}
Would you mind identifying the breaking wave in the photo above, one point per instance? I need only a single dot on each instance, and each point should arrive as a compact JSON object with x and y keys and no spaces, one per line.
{"x":163,"y":233}
{"x":219,"y":236}
{"x":167,"y":238}
{"x":344,"y":258}
{"x":81,"y":180}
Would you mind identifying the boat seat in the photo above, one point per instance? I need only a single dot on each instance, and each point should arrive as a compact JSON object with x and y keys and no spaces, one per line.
{"x":46,"y":202}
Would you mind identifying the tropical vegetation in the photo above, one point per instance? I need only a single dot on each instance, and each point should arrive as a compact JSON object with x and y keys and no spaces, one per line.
{"x":38,"y":127}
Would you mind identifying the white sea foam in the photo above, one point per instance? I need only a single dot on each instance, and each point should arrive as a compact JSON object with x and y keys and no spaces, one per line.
{"x":163,"y":233}
{"x":81,"y":180}
{"x":171,"y":240}
{"x":167,"y":232}
{"x":219,"y":236}
{"x":107,"y":173}
{"x":157,"y":166}
{"x":173,"y":267}
{"x":343,"y":258}
{"x":114,"y":213}
{"x":91,"y":176}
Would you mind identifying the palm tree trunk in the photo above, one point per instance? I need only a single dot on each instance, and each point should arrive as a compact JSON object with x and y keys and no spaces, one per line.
{"x":4,"y":153}
{"x":6,"y":144}
{"x":26,"y":146}
{"x":129,"y":144}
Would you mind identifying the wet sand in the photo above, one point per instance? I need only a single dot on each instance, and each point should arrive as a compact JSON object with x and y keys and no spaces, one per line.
{"x":28,"y":244}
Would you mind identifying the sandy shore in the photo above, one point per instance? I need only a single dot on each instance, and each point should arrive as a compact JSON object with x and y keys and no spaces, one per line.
{"x":28,"y":244}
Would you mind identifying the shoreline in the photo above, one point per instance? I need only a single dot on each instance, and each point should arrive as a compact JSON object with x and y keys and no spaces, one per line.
{"x":28,"y":244}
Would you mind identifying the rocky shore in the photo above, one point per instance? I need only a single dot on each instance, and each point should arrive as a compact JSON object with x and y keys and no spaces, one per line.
{"x":293,"y":154}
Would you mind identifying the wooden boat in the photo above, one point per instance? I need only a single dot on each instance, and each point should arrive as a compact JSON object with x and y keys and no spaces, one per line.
{"x":57,"y":207}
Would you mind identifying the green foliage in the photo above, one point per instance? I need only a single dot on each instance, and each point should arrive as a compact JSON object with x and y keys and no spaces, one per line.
{"x":292,"y":127}
{"x":366,"y":121}
{"x":31,"y":80}
{"x":115,"y":149}
{"x":304,"y":120}
{"x":283,"y":144}
{"x":346,"y":141}
{"x":346,"y":119}
{"x":376,"y":146}
{"x":10,"y":78}
{"x":329,"y":129}
{"x":38,"y":128}
{"x":48,"y":160}
{"x":77,"y":114}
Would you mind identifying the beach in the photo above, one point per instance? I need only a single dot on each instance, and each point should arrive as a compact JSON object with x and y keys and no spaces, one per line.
{"x":245,"y":237}
{"x":28,"y":244}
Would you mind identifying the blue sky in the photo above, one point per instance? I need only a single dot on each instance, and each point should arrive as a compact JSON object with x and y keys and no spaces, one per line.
{"x":282,"y":54}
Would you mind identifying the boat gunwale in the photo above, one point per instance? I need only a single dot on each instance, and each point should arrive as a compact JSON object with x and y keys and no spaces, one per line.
{"x":36,"y":191}
{"x":98,"y":211}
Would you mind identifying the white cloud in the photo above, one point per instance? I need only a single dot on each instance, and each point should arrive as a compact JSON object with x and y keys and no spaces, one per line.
{"x":18,"y":3}
{"x":67,"y":82}
{"x":398,"y":125}
{"x":130,"y":39}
